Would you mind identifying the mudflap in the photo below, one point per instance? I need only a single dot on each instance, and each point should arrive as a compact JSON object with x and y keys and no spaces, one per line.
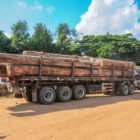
{"x":34,"y":94}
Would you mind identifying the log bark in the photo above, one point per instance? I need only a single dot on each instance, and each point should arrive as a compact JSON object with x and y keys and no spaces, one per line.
{"x":18,"y":65}
{"x":65,"y":62}
{"x":35,"y":53}
{"x":47,"y":61}
{"x":106,"y":63}
{"x":9,"y":70}
{"x":3,"y":70}
{"x":96,"y":62}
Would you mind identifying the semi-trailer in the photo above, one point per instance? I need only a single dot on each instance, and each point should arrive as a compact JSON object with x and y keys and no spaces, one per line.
{"x":45,"y":77}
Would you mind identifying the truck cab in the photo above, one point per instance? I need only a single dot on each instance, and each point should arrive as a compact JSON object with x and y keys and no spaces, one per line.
{"x":137,"y":78}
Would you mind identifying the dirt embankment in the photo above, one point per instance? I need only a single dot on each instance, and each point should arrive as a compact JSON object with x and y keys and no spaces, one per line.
{"x":98,"y":117}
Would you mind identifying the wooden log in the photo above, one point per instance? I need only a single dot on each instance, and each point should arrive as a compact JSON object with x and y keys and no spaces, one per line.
{"x":35,"y":53}
{"x":19,"y":70}
{"x":65,"y":62}
{"x":3,"y":70}
{"x":35,"y":60}
{"x":8,"y":70}
{"x":103,"y":63}
{"x":47,"y":61}
{"x":108,"y":73}
{"x":106,"y":63}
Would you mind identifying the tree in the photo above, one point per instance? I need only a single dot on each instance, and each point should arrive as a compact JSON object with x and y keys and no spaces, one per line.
{"x":63,"y":38}
{"x":119,"y":47}
{"x":88,"y":46}
{"x":74,"y":35}
{"x":20,"y":35}
{"x":63,"y":32}
{"x":41,"y":39}
{"x":5,"y":44}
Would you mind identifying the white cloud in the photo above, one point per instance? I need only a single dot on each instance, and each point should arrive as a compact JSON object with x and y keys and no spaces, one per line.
{"x":113,"y":16}
{"x":37,"y":6}
{"x":22,"y":4}
{"x":50,"y":9}
{"x":55,"y":41}
{"x":7,"y":34}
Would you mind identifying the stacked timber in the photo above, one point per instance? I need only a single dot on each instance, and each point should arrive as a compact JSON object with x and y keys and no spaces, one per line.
{"x":96,"y":62}
{"x":35,"y":53}
{"x":45,"y":64}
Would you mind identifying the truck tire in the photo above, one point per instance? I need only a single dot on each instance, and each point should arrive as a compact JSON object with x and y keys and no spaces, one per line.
{"x":27,"y":94}
{"x":17,"y":95}
{"x":131,"y":89}
{"x":78,"y":92}
{"x":124,"y":90}
{"x":64,"y":94}
{"x":47,"y":95}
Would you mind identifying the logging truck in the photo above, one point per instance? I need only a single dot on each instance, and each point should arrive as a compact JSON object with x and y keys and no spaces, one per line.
{"x":45,"y":78}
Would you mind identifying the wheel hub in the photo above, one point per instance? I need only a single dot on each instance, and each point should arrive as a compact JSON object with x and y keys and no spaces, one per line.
{"x":48,"y":96}
{"x":81,"y":93}
{"x":66,"y":94}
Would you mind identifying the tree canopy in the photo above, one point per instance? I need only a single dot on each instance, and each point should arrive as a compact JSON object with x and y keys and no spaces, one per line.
{"x":119,"y":47}
{"x":68,"y":41}
{"x":41,"y":40}
{"x":20,"y":35}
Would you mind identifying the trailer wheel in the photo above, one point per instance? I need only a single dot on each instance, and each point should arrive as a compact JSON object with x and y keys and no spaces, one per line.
{"x":131,"y":89}
{"x":79,"y":92}
{"x":27,"y":94}
{"x":17,"y":95}
{"x":64,"y":93}
{"x":47,"y":95}
{"x":124,"y":90}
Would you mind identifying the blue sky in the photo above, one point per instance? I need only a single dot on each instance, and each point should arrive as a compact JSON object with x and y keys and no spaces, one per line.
{"x":33,"y":12}
{"x":49,"y":12}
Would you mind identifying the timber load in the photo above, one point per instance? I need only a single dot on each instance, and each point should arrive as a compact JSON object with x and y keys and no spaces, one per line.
{"x":47,"y":64}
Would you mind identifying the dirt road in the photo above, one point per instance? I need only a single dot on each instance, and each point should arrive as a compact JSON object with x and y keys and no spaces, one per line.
{"x":98,"y":117}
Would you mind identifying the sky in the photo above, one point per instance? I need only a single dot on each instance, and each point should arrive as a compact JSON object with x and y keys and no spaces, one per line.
{"x":86,"y":16}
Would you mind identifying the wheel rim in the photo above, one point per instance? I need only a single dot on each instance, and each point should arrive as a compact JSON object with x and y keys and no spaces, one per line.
{"x":66,"y":94}
{"x":126,"y":90}
{"x":48,"y":96}
{"x":81,"y":92}
{"x":132,"y":89}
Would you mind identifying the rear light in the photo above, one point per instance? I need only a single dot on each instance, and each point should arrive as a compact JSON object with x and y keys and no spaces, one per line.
{"x":13,"y":82}
{"x":103,"y":79}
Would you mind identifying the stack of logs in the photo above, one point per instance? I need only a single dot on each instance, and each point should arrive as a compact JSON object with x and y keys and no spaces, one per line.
{"x":45,"y":64}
